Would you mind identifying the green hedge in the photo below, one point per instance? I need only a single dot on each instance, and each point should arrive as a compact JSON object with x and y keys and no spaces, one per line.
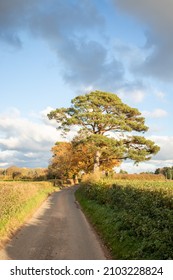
{"x":140,"y":217}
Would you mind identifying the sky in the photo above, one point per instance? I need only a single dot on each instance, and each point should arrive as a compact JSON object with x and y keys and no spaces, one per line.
{"x":54,"y":50}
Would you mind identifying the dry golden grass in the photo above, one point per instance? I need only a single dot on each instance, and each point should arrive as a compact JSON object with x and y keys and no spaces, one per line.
{"x":142,"y":177}
{"x":99,"y":176}
{"x":18,"y":200}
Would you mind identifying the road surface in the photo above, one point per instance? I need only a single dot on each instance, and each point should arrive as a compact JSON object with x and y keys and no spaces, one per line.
{"x":57,"y":231}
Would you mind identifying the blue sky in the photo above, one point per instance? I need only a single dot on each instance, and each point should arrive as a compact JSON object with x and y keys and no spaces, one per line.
{"x":54,"y":50}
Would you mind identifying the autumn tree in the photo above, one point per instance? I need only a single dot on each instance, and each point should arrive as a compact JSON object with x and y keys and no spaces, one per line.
{"x":62,"y":161}
{"x":104,"y":121}
{"x":71,"y":158}
{"x":85,"y":149}
{"x":13,"y":172}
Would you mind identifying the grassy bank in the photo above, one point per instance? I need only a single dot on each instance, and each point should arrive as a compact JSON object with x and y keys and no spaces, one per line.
{"x":134,"y":218}
{"x":18,"y":201}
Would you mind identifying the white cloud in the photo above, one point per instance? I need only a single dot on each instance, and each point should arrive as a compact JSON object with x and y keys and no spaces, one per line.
{"x":156,"y":128}
{"x":137,"y":96}
{"x":6,"y":154}
{"x":44,"y":117}
{"x":28,"y":143}
{"x":149,"y":166}
{"x":30,"y":155}
{"x":166,"y":147}
{"x":134,"y":95}
{"x":10,"y":143}
{"x":21,"y":133}
{"x":160,"y":94}
{"x":7,"y":157}
{"x":157,"y":113}
{"x":3,"y":164}
{"x":141,"y":167}
{"x":23,"y":141}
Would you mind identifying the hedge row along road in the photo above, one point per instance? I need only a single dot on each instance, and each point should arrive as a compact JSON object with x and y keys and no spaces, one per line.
{"x":58,"y":230}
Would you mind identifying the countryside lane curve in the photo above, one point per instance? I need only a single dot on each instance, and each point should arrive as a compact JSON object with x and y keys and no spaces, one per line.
{"x":57,"y":231}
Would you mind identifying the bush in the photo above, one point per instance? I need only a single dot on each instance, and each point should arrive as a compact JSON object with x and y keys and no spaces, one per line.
{"x":142,"y":216}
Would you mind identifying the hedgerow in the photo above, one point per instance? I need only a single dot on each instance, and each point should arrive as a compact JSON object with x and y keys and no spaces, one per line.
{"x":141,"y":222}
{"x":18,"y":200}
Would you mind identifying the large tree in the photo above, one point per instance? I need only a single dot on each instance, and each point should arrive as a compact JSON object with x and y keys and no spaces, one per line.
{"x":104,"y":121}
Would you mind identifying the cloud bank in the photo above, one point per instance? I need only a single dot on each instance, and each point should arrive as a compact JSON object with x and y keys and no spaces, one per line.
{"x":25,"y":143}
{"x":66,"y":26}
{"x":77,"y":32}
{"x":157,"y":113}
{"x":158,"y":21}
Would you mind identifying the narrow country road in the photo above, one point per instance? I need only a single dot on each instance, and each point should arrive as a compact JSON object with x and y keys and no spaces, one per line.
{"x":57,"y":231}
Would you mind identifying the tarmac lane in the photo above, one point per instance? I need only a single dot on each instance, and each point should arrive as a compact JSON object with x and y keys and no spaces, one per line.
{"x":57,"y":231}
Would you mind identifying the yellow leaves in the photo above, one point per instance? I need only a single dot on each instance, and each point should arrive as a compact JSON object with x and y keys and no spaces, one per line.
{"x":65,"y":161}
{"x":70,"y":158}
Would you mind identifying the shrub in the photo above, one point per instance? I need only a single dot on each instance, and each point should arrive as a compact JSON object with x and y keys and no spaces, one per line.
{"x":142,"y":216}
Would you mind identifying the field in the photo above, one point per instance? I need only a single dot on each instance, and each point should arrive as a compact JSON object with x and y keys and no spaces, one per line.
{"x":18,"y":201}
{"x":134,"y":218}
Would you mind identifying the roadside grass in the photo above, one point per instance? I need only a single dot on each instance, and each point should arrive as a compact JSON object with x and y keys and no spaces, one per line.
{"x":101,"y":218}
{"x":134,"y":219}
{"x":18,"y":201}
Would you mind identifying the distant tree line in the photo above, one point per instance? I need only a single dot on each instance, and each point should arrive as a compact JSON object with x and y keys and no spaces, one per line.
{"x":22,"y":173}
{"x":166,"y":171}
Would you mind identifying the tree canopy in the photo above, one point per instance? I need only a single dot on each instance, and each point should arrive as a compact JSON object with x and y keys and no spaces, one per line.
{"x":105,"y":129}
{"x":99,"y":112}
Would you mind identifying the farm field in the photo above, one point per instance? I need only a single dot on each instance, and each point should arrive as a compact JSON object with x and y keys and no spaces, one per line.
{"x":18,"y":201}
{"x":134,"y":218}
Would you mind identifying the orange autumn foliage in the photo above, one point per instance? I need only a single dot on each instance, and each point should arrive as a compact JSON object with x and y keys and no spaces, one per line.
{"x":69,"y":159}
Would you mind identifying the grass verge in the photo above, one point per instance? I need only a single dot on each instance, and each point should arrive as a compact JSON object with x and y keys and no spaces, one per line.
{"x":18,"y":201}
{"x":100,"y":217}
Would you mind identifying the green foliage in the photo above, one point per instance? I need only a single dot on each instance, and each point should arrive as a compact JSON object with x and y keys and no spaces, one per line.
{"x":141,"y":223}
{"x":166,"y":171}
{"x":98,"y":113}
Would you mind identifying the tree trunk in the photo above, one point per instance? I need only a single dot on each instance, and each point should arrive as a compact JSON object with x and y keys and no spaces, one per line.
{"x":75,"y":179}
{"x":97,"y":162}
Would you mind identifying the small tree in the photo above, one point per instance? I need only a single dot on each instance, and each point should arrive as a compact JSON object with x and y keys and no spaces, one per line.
{"x":99,"y":114}
{"x":62,"y":161}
